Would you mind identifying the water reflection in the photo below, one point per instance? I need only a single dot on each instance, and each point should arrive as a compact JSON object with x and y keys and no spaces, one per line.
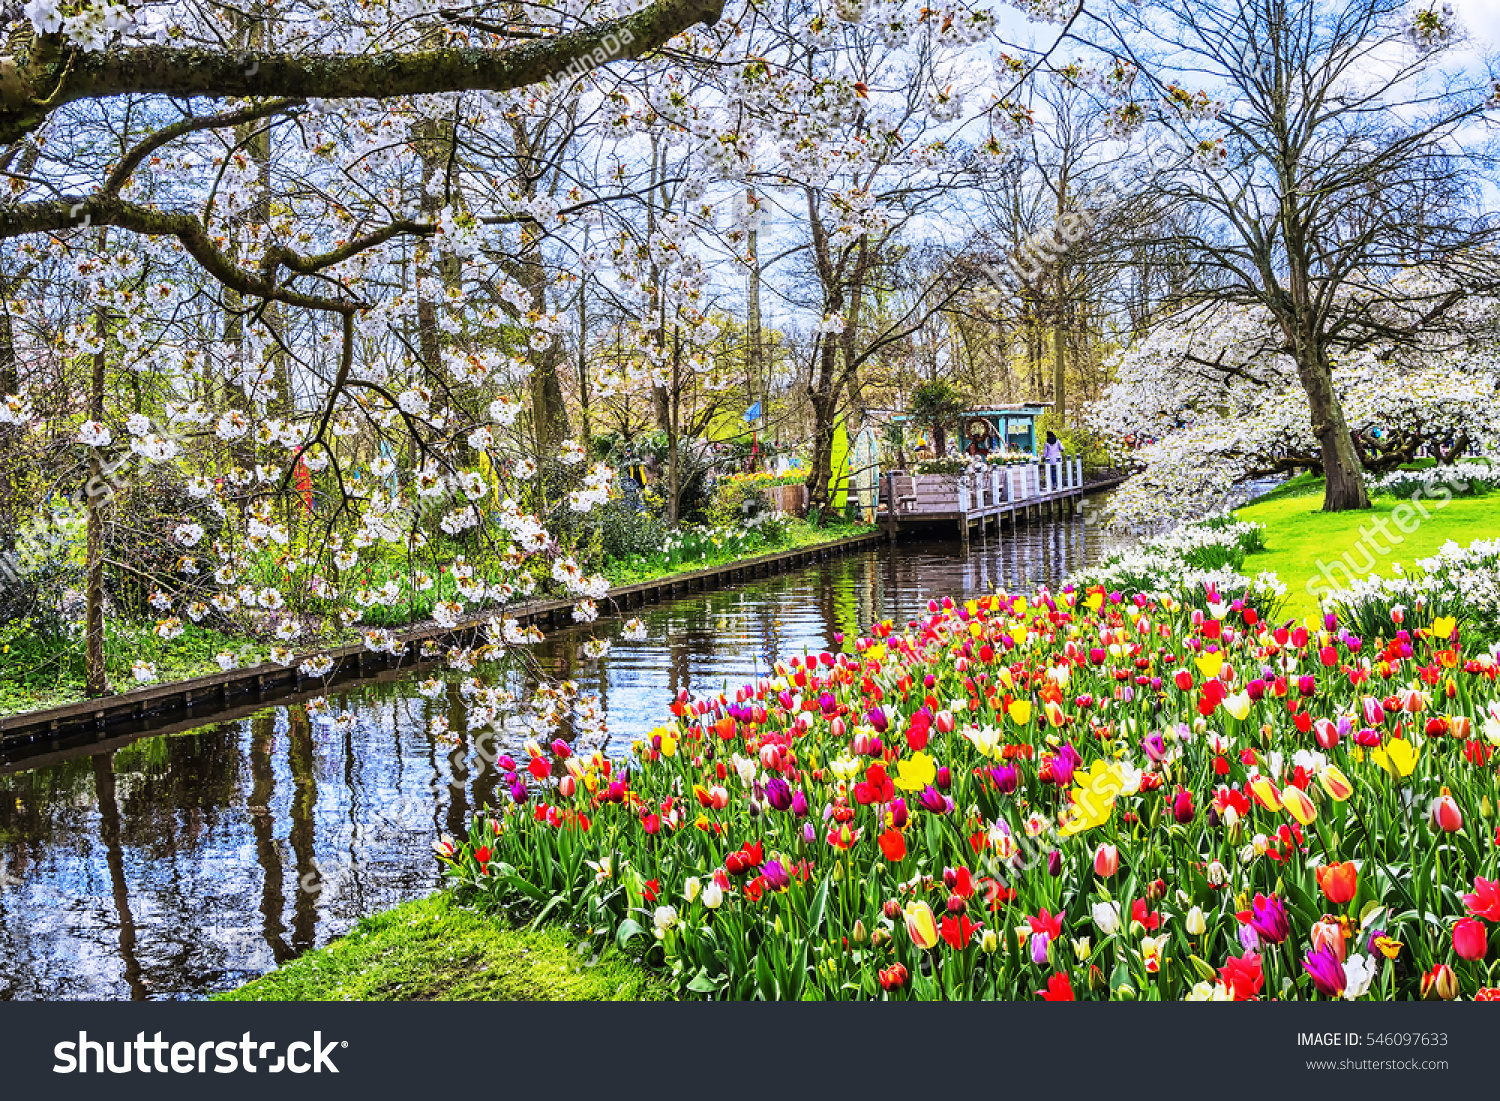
{"x":187,"y":863}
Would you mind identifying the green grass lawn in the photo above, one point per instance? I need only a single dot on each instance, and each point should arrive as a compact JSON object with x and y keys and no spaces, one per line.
{"x":436,"y":950}
{"x":1300,"y":537}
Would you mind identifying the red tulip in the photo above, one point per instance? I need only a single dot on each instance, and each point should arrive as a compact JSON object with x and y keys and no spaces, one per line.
{"x":1470,"y":939}
{"x":1485,"y":901}
{"x":1059,"y":988}
{"x":1106,"y":861}
{"x":1444,"y":813}
{"x":893,"y":845}
{"x":1243,"y":976}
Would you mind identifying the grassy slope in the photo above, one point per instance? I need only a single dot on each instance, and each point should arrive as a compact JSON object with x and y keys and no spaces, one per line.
{"x":800,"y":533}
{"x":435,"y":950}
{"x":1299,"y":536}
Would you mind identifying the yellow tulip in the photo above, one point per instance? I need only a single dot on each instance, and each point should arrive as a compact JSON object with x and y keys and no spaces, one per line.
{"x":1006,"y":680}
{"x":1210,"y":663}
{"x":1018,"y":635}
{"x":1397,"y":756}
{"x":1266,"y":792}
{"x":1019,"y":712}
{"x":1095,"y":601}
{"x":1444,"y":626}
{"x":1298,"y":805}
{"x":1238,"y":704}
{"x":1335,"y":783}
{"x":921,"y":925}
{"x":1094,"y":793}
{"x":916,"y":772}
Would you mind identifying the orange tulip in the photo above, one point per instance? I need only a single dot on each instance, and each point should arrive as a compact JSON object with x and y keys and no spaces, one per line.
{"x":1339,"y":882}
{"x":893,"y":845}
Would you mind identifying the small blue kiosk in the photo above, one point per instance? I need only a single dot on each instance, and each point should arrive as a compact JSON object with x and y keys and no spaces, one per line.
{"x":989,"y":429}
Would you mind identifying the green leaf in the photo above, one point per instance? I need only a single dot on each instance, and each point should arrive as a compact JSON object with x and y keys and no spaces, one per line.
{"x":815,"y":914}
{"x":628,"y":930}
{"x":702,"y":984}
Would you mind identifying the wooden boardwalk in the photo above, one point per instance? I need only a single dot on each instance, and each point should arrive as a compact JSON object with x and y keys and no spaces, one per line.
{"x":994,"y":496}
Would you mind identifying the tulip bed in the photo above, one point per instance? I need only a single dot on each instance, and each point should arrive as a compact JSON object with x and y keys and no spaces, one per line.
{"x":1080,"y":795}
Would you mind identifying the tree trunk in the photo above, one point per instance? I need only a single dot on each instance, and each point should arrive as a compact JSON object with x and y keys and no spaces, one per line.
{"x":822,"y":395}
{"x":1059,"y":360}
{"x":1345,"y":484}
{"x":674,"y":466}
{"x":96,"y":496}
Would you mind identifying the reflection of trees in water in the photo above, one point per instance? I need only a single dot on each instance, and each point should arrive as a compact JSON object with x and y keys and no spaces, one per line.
{"x":303,"y":836}
{"x":114,"y":858}
{"x":31,"y":803}
{"x":263,"y":826}
{"x":174,"y":788}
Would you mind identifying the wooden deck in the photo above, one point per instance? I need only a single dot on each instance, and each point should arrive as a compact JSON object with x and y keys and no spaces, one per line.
{"x":995,"y":496}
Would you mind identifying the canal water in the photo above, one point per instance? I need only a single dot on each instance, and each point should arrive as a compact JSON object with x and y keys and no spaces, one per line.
{"x":184,"y":864}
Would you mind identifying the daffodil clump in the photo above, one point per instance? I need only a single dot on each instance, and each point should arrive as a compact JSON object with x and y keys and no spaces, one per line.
{"x":1083,"y":794}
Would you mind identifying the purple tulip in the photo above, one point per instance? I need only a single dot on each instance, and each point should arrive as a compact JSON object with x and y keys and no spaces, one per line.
{"x":1327,"y":972}
{"x":1268,"y":918}
{"x":1054,"y":863}
{"x":1005,"y":778}
{"x":877,"y":720}
{"x":899,"y":814}
{"x":934,"y":801}
{"x":1061,"y":769}
{"x":776,"y":875}
{"x":1155,"y":746}
{"x":944,"y":777}
{"x":779,"y":793}
{"x":1249,"y":939}
{"x":1039,"y":942}
{"x":799,"y":803}
{"x":809,"y":833}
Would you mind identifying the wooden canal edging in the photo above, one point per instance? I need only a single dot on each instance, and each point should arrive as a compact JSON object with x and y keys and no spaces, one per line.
{"x":241,"y":692}
{"x":1013,"y":494}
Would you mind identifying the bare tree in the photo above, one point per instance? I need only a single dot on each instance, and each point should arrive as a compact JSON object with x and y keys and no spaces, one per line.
{"x":1335,"y":161}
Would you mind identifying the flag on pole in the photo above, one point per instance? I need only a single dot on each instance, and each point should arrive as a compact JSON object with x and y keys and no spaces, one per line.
{"x":752,"y":412}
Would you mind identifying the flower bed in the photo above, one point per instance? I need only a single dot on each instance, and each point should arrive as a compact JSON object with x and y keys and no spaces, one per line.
{"x":1457,"y":583}
{"x":1087,"y":795}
